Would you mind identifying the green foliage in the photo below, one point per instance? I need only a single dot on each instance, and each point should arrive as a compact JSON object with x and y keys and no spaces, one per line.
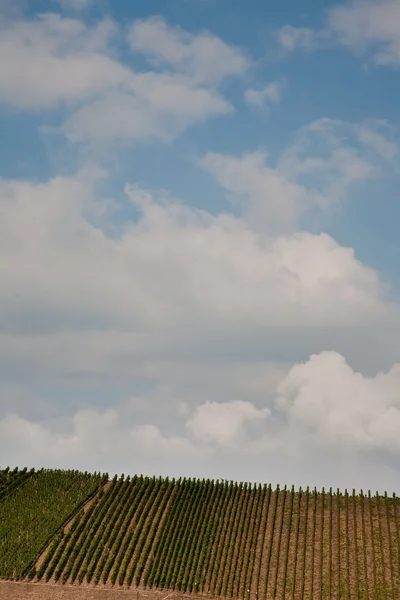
{"x":34,"y":511}
{"x":11,"y":480}
{"x":273,"y":516}
{"x":222,"y":538}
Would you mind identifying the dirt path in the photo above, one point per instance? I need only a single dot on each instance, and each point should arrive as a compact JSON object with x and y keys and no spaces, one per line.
{"x":10,"y":590}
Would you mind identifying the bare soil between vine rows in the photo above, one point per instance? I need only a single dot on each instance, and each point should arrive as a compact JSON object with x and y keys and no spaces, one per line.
{"x":12,"y":590}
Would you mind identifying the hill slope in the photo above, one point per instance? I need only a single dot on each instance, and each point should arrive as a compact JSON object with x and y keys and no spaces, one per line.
{"x":218,"y":538}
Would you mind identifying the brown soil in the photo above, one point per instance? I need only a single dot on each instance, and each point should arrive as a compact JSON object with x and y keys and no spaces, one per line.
{"x":310,"y":559}
{"x":362,"y":583}
{"x":87,"y":505}
{"x":294,"y":556}
{"x":368,"y":546}
{"x":223,"y":569}
{"x":69,"y":523}
{"x":37,"y":591}
{"x":395,"y":543}
{"x":217,"y":548}
{"x":288,"y":517}
{"x":254,"y":588}
{"x":276,"y":545}
{"x":248,"y":540}
{"x":251,"y":581}
{"x":238,"y":541}
{"x":301,"y":547}
{"x":160,"y":527}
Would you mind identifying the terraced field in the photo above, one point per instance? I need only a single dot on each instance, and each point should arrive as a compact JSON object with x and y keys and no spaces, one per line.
{"x":202,"y":537}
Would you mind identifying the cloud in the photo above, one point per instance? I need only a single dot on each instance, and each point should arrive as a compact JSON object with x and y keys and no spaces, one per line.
{"x":86,"y":299}
{"x":55,"y":60}
{"x":262,"y":98}
{"x":88,"y":438}
{"x":366,"y":27}
{"x":202,"y":56}
{"x":369,"y":25}
{"x":327,"y":400}
{"x":54,"y":265}
{"x":340,"y":426}
{"x":316,"y":171}
{"x":199,"y":307}
{"x":223,"y":423}
{"x":290,"y":38}
{"x":61,"y":62}
{"x":269,"y":198}
{"x":156,"y":106}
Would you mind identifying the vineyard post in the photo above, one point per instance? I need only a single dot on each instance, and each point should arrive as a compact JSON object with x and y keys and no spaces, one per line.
{"x":390,"y":546}
{"x":396,"y":520}
{"x":338,"y":539}
{"x":304,"y":544}
{"x":364,"y":543}
{"x":313,"y":543}
{"x":330,"y":545}
{"x":354,"y":505}
{"x":321,"y":553}
{"x":381,"y":547}
{"x":372,"y":540}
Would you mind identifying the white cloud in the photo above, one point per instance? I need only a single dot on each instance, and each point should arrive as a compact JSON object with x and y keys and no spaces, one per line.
{"x":290,"y":38}
{"x":372,"y":24}
{"x":90,"y":438}
{"x":330,"y":425}
{"x":270,"y":199}
{"x":316,"y":171}
{"x":77,"y":302}
{"x":166,"y":301}
{"x":363,"y":26}
{"x":328,"y":400}
{"x":202,"y":56}
{"x":60,"y":61}
{"x":262,"y":98}
{"x":60,"y":273}
{"x":383,"y":146}
{"x":156,"y":106}
{"x":56,"y":60}
{"x":223,"y":423}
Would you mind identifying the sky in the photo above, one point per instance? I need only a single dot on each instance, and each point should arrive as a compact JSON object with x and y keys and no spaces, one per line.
{"x":199,"y":239}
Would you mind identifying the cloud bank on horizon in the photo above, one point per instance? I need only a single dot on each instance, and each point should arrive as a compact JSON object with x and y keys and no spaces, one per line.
{"x":198,"y":241}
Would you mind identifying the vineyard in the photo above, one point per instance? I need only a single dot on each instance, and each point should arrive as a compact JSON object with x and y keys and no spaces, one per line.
{"x":225,"y":539}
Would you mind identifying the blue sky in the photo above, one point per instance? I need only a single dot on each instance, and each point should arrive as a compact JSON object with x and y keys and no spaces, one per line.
{"x":200,"y":237}
{"x":330,"y":83}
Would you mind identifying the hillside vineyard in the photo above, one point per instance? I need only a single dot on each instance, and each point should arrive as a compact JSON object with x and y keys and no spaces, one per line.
{"x":234,"y":540}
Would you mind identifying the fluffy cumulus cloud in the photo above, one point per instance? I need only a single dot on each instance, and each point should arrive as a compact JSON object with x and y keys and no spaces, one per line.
{"x":91,"y":437}
{"x":173,"y":256}
{"x":155,"y":106}
{"x":142,"y":334}
{"x":223,"y":423}
{"x":155,"y":301}
{"x":322,"y":407}
{"x":203,"y":56}
{"x":329,"y":401}
{"x":366,"y":27}
{"x":56,"y":59}
{"x":60,"y":61}
{"x":200,"y":307}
